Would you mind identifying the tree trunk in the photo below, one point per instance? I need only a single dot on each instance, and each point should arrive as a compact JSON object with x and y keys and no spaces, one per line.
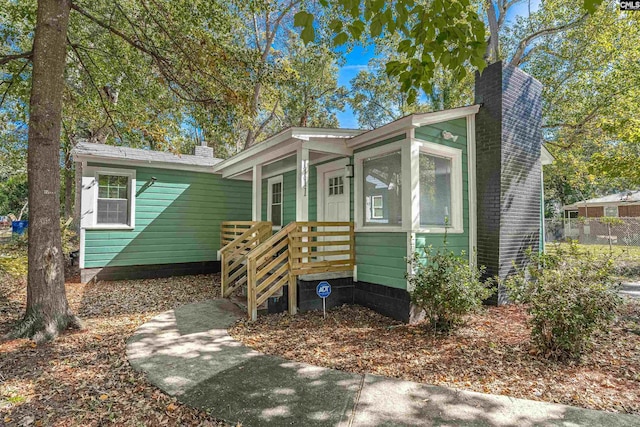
{"x":68,"y":185}
{"x":47,"y":307}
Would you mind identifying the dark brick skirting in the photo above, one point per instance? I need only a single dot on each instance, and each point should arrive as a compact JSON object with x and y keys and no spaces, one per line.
{"x":388,"y":301}
{"x":153,"y":271}
{"x":391,"y":302}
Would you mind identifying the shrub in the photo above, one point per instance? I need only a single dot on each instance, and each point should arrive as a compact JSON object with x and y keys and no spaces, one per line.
{"x":446,"y":287}
{"x":570,"y":296}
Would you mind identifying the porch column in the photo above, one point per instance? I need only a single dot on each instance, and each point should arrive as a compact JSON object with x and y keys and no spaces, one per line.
{"x":256,"y":203}
{"x":302,"y":184}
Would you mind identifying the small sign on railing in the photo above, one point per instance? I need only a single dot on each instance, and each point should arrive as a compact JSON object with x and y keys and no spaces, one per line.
{"x":323,"y":290}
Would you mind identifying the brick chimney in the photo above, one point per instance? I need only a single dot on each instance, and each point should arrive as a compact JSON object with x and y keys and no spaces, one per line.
{"x":509,"y":139}
{"x":203,"y":150}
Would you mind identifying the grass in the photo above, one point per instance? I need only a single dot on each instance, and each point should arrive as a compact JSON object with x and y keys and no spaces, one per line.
{"x":627,"y":258}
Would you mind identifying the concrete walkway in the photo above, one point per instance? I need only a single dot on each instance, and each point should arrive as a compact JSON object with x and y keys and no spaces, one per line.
{"x":188,"y":353}
{"x":631,"y":289}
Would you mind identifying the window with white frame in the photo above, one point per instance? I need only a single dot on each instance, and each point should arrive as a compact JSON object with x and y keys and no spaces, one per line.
{"x":382,"y":189}
{"x":440,"y":187}
{"x":114,"y":199}
{"x":274,"y":208}
{"x":611,"y":211}
{"x":336,"y":186}
{"x":377,"y":207}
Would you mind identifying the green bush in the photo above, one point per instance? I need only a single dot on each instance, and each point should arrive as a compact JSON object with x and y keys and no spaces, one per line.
{"x":570,"y":295}
{"x":446,"y":287}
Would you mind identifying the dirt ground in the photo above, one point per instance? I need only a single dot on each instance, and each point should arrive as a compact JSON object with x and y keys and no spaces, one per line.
{"x":491,"y":354}
{"x":83,"y":377}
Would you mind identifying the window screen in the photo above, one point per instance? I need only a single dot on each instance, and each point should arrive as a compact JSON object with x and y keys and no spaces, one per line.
{"x":113,"y":199}
{"x":435,"y":190}
{"x":383,"y":190}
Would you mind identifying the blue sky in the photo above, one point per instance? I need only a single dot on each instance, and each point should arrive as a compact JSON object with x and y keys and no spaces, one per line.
{"x":359,"y":57}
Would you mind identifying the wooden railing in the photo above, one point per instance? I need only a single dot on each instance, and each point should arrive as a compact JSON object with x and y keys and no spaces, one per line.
{"x":233,"y":255}
{"x":298,"y":248}
{"x":231,"y":230}
{"x":320,"y":247}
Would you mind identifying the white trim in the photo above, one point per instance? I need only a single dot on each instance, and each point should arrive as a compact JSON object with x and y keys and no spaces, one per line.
{"x":320,"y":171}
{"x":323,"y":147}
{"x":411,"y":248}
{"x":256,"y":188}
{"x":412,"y":121}
{"x":280,"y":171}
{"x":358,"y":213}
{"x":295,"y":133}
{"x":302,"y":184}
{"x":373,"y":207}
{"x":414,"y":162}
{"x":85,"y":199}
{"x":546,"y":158}
{"x":457,"y":190}
{"x":604,"y":210}
{"x":270,"y":182}
{"x":271,"y":156}
{"x":141,"y":163}
{"x":471,"y":183}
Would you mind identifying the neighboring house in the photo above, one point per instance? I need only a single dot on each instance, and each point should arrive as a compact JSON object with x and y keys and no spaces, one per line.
{"x":625,"y":204}
{"x":474,"y":173}
{"x":622,"y":204}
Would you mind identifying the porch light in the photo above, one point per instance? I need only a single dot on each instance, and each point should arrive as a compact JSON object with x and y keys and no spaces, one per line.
{"x":449,"y":136}
{"x":348,"y":170}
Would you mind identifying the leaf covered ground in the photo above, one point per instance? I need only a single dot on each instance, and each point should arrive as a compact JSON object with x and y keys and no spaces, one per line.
{"x":83,"y":378}
{"x":490,"y":354}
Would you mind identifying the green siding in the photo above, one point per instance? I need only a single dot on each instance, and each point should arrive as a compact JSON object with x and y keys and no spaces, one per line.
{"x":313,"y":193}
{"x":177,"y":219}
{"x":433,"y":133}
{"x":288,"y":197}
{"x":380,"y":258}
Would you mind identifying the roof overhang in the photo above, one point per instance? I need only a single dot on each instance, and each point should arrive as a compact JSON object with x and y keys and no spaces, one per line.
{"x":413,"y":121}
{"x":141,"y":163}
{"x":545,"y":156}
{"x":286,"y":143}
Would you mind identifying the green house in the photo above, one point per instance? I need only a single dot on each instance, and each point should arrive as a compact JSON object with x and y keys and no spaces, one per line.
{"x":396,"y":189}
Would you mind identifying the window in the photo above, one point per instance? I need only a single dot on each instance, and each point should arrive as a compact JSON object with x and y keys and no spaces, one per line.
{"x":113,"y":204}
{"x":377,"y":207}
{"x":440,"y":188}
{"x":336,"y":186}
{"x":274,"y":211}
{"x":435,"y":190}
{"x":382,"y":190}
{"x":611,"y":211}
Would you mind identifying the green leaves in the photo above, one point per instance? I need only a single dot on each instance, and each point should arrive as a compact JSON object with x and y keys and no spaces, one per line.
{"x":591,"y":5}
{"x":305,"y":21}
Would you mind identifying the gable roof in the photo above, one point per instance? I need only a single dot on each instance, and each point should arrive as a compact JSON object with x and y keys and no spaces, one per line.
{"x":126,"y":155}
{"x":611,"y":199}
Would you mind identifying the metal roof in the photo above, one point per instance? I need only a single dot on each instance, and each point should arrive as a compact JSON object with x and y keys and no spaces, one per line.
{"x":102,"y":151}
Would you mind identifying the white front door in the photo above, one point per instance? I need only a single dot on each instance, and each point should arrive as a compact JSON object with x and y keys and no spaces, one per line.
{"x":333,"y":203}
{"x":336,"y":196}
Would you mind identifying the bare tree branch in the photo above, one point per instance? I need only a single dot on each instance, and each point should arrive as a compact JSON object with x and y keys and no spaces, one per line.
{"x":11,"y":82}
{"x":8,"y":58}
{"x":93,"y":83}
{"x":524,"y":43}
{"x":119,"y":33}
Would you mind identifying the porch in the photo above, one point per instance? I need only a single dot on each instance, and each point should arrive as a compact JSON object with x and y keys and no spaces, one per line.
{"x":264,"y":263}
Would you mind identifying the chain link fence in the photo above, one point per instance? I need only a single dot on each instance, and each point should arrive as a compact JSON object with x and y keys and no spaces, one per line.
{"x":594,"y":231}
